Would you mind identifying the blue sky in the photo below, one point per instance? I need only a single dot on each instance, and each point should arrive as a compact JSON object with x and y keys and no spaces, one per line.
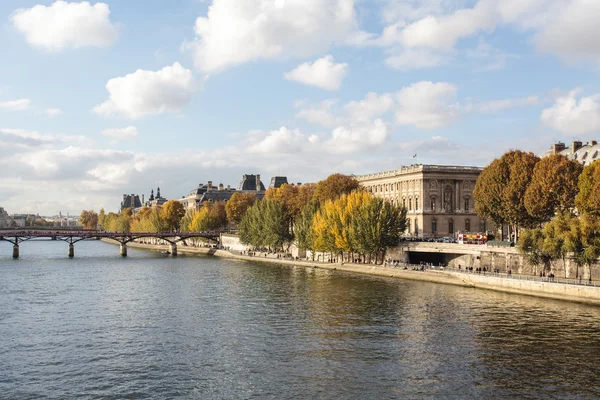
{"x":103,"y":98}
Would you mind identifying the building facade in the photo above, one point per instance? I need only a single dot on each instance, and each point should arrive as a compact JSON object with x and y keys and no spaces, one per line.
{"x":438,"y":198}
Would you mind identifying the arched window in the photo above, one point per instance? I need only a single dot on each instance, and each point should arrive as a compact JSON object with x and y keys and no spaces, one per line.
{"x":410,"y":203}
{"x":433,"y":203}
{"x":466,"y":204}
{"x":404,"y":202}
{"x":468,"y":225}
{"x":416,"y":202}
{"x":434,"y":225}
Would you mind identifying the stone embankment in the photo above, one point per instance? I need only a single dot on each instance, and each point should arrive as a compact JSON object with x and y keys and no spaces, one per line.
{"x":558,"y":291}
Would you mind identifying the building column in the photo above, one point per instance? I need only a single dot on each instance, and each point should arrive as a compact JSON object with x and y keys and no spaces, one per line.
{"x":16,"y":251}
{"x":71,"y":250}
{"x":123,"y":250}
{"x":173,"y":248}
{"x":457,"y":196}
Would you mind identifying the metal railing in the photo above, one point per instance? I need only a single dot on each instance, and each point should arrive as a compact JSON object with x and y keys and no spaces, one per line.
{"x":564,"y":281}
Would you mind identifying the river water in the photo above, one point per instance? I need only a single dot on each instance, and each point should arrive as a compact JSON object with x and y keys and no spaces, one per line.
{"x":152,"y":327}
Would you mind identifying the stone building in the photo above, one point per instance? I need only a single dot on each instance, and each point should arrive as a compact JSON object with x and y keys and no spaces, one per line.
{"x":154,"y":201}
{"x":278,"y":181}
{"x":208,"y":192}
{"x":438,"y":198}
{"x":197,"y":196}
{"x":130,"y":201}
{"x":584,"y":153}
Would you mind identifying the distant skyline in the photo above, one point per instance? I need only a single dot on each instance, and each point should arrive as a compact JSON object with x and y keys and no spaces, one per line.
{"x":103,"y":98}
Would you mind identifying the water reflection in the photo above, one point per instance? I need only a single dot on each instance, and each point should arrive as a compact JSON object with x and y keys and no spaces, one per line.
{"x":153,"y":327}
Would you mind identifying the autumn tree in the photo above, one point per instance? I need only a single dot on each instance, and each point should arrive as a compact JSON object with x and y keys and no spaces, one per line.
{"x":334,"y":186}
{"x":102,"y":218}
{"x":500,"y":189}
{"x":237,"y":206}
{"x":89,"y":219}
{"x":557,"y":237}
{"x":306,"y":194}
{"x":553,"y":187}
{"x":588,"y":199}
{"x":171,"y":214}
{"x":210,"y":217}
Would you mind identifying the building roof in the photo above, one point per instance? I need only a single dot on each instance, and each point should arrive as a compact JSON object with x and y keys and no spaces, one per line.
{"x":278,"y":181}
{"x":248,"y":183}
{"x":456,"y":169}
{"x":584,"y":153}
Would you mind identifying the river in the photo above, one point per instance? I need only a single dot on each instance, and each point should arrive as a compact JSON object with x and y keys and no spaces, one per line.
{"x":152,"y":327}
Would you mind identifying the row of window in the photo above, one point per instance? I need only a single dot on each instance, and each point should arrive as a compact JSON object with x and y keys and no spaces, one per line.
{"x":413,"y":226}
{"x":409,"y":205}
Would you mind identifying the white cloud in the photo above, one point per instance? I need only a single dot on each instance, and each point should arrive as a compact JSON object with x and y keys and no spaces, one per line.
{"x":410,"y":59}
{"x":357,"y":138}
{"x":373,"y":105}
{"x":144,"y":93}
{"x":427,"y":105}
{"x":283,"y":141}
{"x":128,"y":133}
{"x":321,"y":114}
{"x":235,"y":32}
{"x":53,"y":112}
{"x":15,"y":105}
{"x":570,"y":116}
{"x":36,"y":139}
{"x":572,"y":32}
{"x":500,"y":105}
{"x":323,"y":73}
{"x":66,"y":25}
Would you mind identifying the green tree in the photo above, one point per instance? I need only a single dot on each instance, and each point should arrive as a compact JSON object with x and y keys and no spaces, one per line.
{"x":266,"y":224}
{"x":237,"y":206}
{"x":303,"y":227}
{"x":334,"y":186}
{"x":553,"y":187}
{"x":557,"y":237}
{"x":588,"y":199}
{"x":531,"y":245}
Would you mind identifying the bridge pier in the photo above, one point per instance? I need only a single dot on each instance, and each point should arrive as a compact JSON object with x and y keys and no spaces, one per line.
{"x":173,"y":249}
{"x":123,"y":250}
{"x":16,"y":251}
{"x":71,"y":250}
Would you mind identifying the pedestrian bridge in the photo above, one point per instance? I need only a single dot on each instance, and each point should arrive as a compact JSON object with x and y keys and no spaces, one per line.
{"x":73,"y":236}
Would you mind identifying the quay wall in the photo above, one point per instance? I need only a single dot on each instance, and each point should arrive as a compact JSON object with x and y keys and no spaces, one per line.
{"x":575,"y":293}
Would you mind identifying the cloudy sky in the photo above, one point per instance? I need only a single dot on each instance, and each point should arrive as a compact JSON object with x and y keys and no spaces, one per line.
{"x":101,"y":99}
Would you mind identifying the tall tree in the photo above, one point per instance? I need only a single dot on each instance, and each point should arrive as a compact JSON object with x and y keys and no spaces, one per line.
{"x":334,"y":186}
{"x":553,"y":187}
{"x":210,"y":217}
{"x":89,"y":219}
{"x":500,"y":189}
{"x":237,"y":206}
{"x":171,"y":214}
{"x":588,"y":199}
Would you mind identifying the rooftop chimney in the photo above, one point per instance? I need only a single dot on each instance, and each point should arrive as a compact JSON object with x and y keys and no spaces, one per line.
{"x":220,"y":186}
{"x":257,"y":182}
{"x":558,"y":147}
{"x":593,"y":143}
{"x":210,"y":185}
{"x":228,"y":187}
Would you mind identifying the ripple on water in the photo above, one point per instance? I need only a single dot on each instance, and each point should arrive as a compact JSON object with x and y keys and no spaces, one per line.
{"x":103,"y":327}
